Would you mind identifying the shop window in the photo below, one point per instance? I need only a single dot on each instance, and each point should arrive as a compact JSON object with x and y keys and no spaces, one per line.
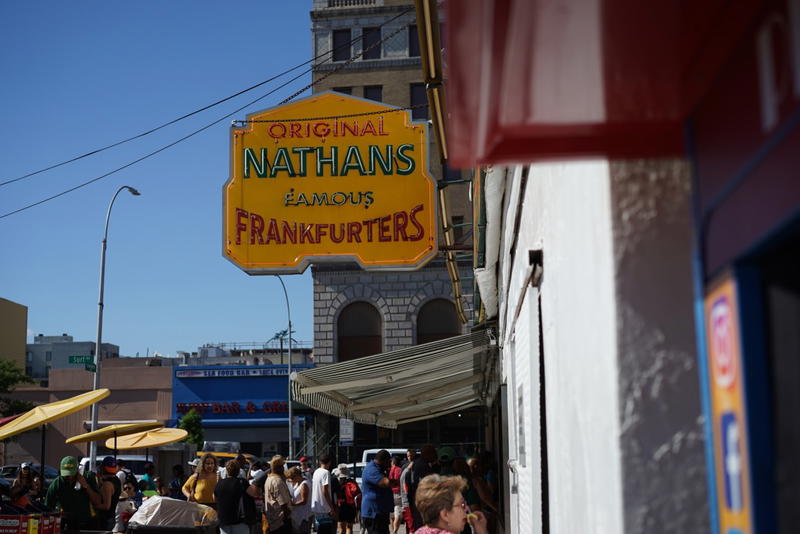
{"x":374,"y":92}
{"x":436,"y":320}
{"x":358,"y":331}
{"x":413,"y":41}
{"x":419,"y":101}
{"x":48,"y":356}
{"x":344,"y":90}
{"x":341,"y":45}
{"x":370,"y":37}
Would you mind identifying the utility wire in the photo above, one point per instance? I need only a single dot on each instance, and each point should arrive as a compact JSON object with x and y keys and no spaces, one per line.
{"x":192,"y":113}
{"x":207,"y":126}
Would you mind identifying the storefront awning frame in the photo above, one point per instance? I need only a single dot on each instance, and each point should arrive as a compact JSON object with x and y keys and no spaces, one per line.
{"x":402,"y":386}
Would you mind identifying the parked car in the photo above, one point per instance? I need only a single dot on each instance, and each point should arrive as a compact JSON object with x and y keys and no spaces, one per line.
{"x":134,"y":462}
{"x":369,"y":454}
{"x":9,"y":473}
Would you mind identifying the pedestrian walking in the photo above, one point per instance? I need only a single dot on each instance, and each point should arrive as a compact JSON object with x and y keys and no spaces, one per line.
{"x":277,"y":498}
{"x":377,"y":502}
{"x":322,"y":501}
{"x":22,"y":485}
{"x":200,"y":486}
{"x":422,"y":467}
{"x":394,"y":477}
{"x":73,"y":494}
{"x":177,"y":482}
{"x":443,"y":509}
{"x":126,"y":507}
{"x":302,"y":516}
{"x":110,"y":489}
{"x":236,"y":507}
{"x":350,"y":501}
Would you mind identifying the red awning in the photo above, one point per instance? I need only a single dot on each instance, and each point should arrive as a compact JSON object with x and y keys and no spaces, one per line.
{"x":536,"y":79}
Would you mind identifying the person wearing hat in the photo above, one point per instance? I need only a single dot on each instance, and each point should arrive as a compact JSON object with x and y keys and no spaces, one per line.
{"x":446,"y":457}
{"x":110,"y":488}
{"x":277,"y":499}
{"x":22,"y":485}
{"x":73,"y":494}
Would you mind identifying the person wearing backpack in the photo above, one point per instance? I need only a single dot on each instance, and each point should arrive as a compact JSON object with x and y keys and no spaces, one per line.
{"x":350,"y":500}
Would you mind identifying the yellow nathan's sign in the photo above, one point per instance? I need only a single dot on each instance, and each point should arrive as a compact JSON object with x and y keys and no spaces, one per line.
{"x":329,"y":178}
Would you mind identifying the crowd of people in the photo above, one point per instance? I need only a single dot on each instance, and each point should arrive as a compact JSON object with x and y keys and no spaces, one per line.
{"x":430,"y":492}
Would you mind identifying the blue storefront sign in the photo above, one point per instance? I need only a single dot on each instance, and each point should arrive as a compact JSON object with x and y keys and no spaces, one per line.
{"x":233,"y":396}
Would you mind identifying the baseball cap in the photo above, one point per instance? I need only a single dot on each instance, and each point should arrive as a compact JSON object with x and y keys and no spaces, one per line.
{"x":304,"y":458}
{"x":69,"y":466}
{"x":110,"y":463}
{"x":23,"y":465}
{"x":446,"y":454}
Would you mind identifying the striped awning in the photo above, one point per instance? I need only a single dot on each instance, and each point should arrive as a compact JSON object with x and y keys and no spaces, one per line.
{"x":401,"y":386}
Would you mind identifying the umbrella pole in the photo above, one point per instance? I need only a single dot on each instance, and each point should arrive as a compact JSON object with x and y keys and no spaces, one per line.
{"x":41,"y":466}
{"x":115,"y":446}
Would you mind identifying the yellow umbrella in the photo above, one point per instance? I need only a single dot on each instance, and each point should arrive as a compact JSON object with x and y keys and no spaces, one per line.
{"x":149,"y":438}
{"x":114,"y":431}
{"x":50,"y":412}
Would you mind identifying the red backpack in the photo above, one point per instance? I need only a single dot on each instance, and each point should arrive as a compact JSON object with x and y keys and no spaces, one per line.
{"x":351,"y":492}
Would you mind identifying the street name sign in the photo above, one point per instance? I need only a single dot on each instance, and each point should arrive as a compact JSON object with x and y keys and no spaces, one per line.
{"x":329,"y":178}
{"x":81,"y":358}
{"x":92,"y":368}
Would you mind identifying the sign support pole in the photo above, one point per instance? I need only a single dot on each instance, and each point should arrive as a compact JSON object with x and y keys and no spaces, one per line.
{"x":289,"y":375}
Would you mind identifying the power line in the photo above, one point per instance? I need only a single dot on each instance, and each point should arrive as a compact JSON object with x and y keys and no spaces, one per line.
{"x":199,"y":130}
{"x":192,"y":113}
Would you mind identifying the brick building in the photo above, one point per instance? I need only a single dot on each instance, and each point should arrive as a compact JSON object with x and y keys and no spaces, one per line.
{"x":358,"y":313}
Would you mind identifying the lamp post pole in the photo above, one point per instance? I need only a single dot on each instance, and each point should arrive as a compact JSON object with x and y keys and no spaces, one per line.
{"x":97,"y":358}
{"x":289,"y":370}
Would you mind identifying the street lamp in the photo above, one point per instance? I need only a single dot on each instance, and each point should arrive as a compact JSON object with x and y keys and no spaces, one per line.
{"x":96,"y":382}
{"x":289,"y":370}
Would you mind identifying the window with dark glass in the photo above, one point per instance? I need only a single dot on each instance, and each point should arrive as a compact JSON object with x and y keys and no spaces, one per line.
{"x":458,"y":227}
{"x":344,"y":90}
{"x":341,"y":45}
{"x":413,"y":41}
{"x":419,"y":101}
{"x":369,"y":37}
{"x":358,"y":331}
{"x":373,"y":92}
{"x":436,"y":320}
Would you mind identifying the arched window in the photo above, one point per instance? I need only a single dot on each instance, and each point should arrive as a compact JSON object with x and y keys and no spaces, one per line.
{"x":437,"y":319}
{"x":358,"y":331}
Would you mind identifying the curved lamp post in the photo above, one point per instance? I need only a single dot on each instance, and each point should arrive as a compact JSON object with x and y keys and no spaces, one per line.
{"x":289,"y":376}
{"x":96,"y":382}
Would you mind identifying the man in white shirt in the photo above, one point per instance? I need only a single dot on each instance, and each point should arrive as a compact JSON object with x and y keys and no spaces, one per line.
{"x":322,"y":503}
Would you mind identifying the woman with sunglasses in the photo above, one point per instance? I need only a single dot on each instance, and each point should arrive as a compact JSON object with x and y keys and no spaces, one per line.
{"x":443,"y":508}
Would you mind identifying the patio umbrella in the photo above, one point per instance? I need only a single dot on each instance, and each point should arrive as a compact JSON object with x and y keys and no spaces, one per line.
{"x":114,"y":431}
{"x":40,"y":415}
{"x":149,"y":438}
{"x":8,"y":419}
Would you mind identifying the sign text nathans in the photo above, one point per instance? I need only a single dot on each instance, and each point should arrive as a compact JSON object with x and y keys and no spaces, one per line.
{"x":329,"y":178}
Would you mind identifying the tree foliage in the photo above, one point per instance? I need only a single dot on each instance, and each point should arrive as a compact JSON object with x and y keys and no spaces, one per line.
{"x":192,"y":423}
{"x":10,"y":376}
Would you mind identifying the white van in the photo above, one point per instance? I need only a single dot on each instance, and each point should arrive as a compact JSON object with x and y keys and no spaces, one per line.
{"x":369,"y":454}
{"x":133,"y":462}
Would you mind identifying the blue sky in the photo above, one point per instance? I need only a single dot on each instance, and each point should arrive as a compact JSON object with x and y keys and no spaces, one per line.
{"x":80,"y":75}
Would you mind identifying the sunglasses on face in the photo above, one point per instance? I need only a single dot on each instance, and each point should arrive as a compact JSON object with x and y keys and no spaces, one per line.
{"x":462,"y":505}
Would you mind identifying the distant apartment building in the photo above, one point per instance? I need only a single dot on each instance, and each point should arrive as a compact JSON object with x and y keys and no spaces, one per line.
{"x":53,"y":352}
{"x":13,"y":331}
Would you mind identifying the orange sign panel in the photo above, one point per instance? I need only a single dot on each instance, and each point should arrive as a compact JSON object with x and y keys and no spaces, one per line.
{"x":731,"y":450}
{"x":329,"y":178}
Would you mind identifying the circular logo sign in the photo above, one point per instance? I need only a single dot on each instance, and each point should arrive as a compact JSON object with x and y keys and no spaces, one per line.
{"x":723,"y":357}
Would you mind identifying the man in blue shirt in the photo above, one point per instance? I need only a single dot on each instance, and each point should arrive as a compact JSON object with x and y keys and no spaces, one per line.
{"x":377,"y":501}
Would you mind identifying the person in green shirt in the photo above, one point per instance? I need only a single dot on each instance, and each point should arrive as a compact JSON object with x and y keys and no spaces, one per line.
{"x":73,"y":494}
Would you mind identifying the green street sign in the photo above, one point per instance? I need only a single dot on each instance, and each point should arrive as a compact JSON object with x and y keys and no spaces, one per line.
{"x":92,"y":368}
{"x":82,"y":358}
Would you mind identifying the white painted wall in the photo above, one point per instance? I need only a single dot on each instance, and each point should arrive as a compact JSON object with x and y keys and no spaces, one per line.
{"x":566,"y":212}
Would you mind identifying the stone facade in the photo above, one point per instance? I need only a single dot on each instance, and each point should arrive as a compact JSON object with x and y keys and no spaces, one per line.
{"x":398,"y":297}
